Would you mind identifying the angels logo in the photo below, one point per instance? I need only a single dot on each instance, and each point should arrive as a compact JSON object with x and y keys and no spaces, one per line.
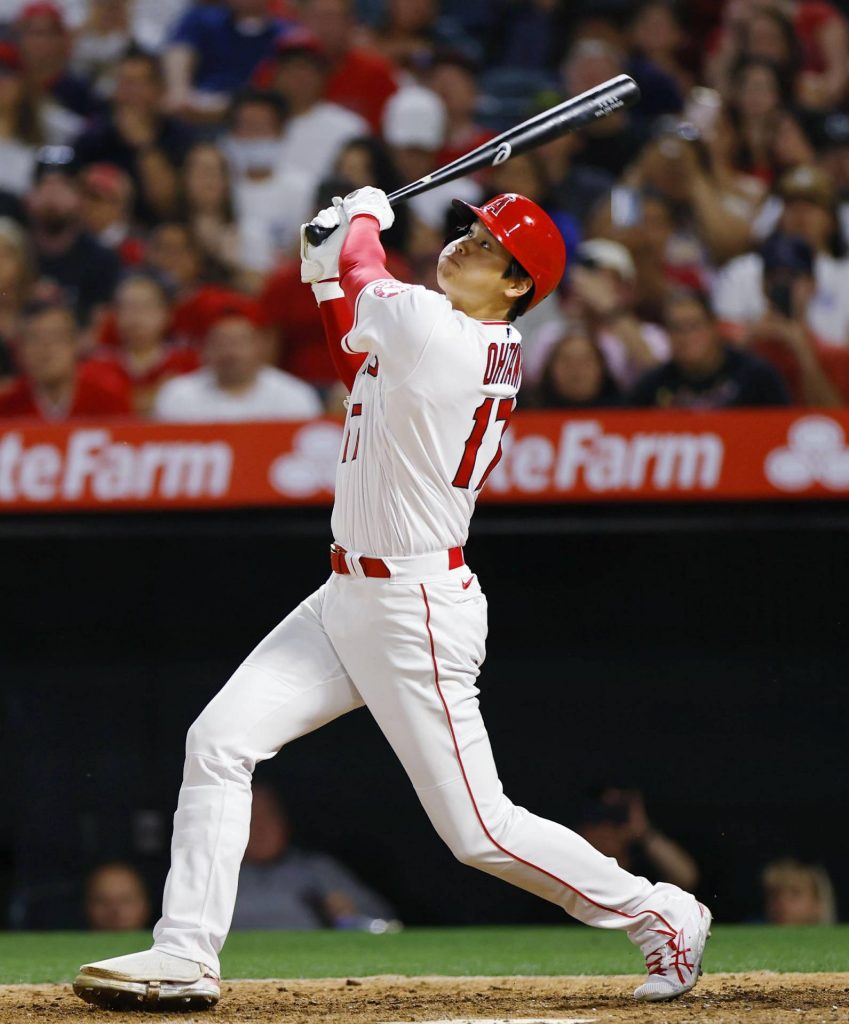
{"x":390,"y":288}
{"x":816,"y":453}
{"x":497,"y":205}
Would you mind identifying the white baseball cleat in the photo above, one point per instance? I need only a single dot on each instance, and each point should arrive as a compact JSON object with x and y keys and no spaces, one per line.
{"x":675,"y":966}
{"x":143,"y":981}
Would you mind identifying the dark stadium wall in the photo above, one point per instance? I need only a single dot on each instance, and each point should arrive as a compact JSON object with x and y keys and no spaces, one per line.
{"x":701,"y":660}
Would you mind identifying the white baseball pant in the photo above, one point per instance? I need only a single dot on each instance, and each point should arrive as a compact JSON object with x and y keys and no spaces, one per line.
{"x":410,"y":651}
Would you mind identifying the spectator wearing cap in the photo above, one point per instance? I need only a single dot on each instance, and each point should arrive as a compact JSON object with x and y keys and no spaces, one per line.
{"x":214,"y":51}
{"x":704,"y":372}
{"x":53,"y":386}
{"x":65,"y":253}
{"x":272,"y":200}
{"x":236,"y":384}
{"x":45,"y":45}
{"x":809,"y":212}
{"x":454,"y":78}
{"x":146,"y":356}
{"x":782,"y":335}
{"x":414,"y":129}
{"x":602,"y":292}
{"x":107,"y":208}
{"x":359,"y":78}
{"x":136,"y":136}
{"x":316,"y":129}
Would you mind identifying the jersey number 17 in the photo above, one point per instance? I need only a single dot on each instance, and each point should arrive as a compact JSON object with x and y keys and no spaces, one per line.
{"x":480,"y":425}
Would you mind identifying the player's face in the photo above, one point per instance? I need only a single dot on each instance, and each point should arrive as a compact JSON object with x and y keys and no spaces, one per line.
{"x":470,"y":272}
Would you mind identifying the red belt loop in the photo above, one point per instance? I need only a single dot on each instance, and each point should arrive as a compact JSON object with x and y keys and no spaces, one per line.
{"x":455,"y":558}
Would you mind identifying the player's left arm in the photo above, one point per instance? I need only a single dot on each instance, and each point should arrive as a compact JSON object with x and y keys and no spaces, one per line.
{"x":320,"y":268}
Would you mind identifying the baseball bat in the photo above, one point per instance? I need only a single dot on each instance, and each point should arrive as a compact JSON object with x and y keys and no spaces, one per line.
{"x":600,"y":101}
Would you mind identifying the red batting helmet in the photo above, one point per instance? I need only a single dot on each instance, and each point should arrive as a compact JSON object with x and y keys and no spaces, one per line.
{"x":527,"y":233}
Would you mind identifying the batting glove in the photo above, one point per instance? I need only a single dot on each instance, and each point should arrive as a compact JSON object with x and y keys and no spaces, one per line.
{"x":321,"y":262}
{"x":371,"y":201}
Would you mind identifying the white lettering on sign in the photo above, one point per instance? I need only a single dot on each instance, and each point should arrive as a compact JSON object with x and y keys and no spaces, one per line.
{"x":93,"y":463}
{"x":586,"y":455}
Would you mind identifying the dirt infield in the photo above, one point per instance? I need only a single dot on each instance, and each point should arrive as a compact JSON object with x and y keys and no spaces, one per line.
{"x":760,"y":998}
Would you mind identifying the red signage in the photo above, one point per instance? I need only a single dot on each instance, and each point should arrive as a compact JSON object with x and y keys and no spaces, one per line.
{"x":548,"y":457}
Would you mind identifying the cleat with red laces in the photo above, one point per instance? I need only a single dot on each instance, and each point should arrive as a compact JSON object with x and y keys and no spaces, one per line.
{"x":676,"y":964}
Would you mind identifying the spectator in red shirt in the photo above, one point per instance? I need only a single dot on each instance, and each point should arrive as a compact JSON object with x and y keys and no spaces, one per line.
{"x":53,"y":386}
{"x":146,"y":358}
{"x":359,"y":79}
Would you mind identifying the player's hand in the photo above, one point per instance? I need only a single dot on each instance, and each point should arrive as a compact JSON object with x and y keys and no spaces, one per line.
{"x":371,"y":201}
{"x":321,"y":262}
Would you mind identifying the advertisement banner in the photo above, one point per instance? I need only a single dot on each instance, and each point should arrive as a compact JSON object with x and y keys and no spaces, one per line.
{"x":547,"y":457}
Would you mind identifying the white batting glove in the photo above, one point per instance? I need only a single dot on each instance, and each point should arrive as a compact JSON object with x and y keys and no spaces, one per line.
{"x":321,"y":262}
{"x":372,"y":201}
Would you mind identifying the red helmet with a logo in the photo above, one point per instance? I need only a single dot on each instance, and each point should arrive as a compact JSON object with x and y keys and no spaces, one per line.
{"x":527,"y":233}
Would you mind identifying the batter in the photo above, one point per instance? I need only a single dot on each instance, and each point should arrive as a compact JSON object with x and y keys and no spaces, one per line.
{"x":401,"y":623}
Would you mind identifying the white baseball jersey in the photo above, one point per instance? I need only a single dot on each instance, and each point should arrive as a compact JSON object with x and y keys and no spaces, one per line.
{"x":425,"y":420}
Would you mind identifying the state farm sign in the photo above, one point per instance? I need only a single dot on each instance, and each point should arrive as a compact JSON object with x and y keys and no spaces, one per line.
{"x":91,"y":464}
{"x":548,"y":457}
{"x":585,"y":455}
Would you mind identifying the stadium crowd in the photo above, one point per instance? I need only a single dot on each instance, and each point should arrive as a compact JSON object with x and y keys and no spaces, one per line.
{"x":158,"y":156}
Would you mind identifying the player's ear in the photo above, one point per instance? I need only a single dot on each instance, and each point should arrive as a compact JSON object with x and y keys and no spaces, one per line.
{"x":517,"y":287}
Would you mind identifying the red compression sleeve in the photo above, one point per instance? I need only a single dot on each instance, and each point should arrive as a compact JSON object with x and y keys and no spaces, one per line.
{"x":337,"y":317}
{"x":362,"y":259}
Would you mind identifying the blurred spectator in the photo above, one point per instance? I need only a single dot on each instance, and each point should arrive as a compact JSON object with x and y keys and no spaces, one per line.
{"x":147,"y":356}
{"x":206,"y":204}
{"x":832,"y":144}
{"x":782,"y":335}
{"x":705,"y":372}
{"x":611,"y":143}
{"x":215,"y":50}
{"x":797,"y":894}
{"x":367,"y":161}
{"x":659,"y":43}
{"x":21,"y":125}
{"x":272,"y":200}
{"x":769,"y":138}
{"x":809,"y":213}
{"x":236,"y":384}
{"x":17,"y":275}
{"x":602,"y":293}
{"x":282,"y":886}
{"x":414,"y":127}
{"x":410,"y":32}
{"x":360,"y":79}
{"x":107,"y":211}
{"x":116,"y":899}
{"x":66,"y":254}
{"x":45,"y":48}
{"x":807,"y":39}
{"x":137,"y":137}
{"x":575,"y":374}
{"x":454,"y":79}
{"x":101,"y":42}
{"x":316,"y":129}
{"x":52,"y":386}
{"x":742,"y":191}
{"x":615,"y":822}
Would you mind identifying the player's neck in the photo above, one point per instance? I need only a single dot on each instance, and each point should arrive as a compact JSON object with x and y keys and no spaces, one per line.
{"x":480,"y":310}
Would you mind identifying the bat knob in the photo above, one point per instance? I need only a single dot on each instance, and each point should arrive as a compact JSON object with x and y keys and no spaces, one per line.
{"x":316,"y":235}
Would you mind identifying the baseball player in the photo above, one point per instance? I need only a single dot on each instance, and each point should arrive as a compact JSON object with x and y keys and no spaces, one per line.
{"x":400,"y":624}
